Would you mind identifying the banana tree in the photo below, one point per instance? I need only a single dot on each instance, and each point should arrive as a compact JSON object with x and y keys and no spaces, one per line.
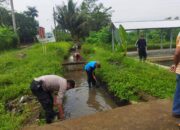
{"x":123,"y":38}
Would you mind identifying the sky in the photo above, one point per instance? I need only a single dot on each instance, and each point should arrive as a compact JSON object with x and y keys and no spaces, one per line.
{"x":123,"y":10}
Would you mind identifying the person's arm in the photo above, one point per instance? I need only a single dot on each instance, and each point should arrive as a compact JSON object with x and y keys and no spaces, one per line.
{"x":176,"y":57}
{"x":92,"y":70}
{"x":94,"y":77}
{"x":61,"y":111}
{"x":59,"y":103}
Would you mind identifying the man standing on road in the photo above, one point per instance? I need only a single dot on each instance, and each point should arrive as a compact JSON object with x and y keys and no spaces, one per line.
{"x":176,"y":68}
{"x":43,"y":87}
{"x":90,"y":68}
{"x":142,"y":48}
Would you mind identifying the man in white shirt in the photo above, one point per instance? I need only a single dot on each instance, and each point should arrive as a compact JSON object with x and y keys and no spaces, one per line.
{"x":43,"y":87}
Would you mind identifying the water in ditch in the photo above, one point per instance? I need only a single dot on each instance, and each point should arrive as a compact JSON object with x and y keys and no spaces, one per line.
{"x":83,"y":100}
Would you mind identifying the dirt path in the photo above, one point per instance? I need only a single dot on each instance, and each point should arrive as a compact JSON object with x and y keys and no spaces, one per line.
{"x":154,"y":115}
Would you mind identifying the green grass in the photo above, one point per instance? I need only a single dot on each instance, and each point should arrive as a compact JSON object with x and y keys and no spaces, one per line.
{"x":127,"y":77}
{"x":18,"y":68}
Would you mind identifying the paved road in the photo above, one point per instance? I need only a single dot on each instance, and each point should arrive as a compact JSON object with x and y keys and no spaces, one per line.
{"x":154,"y":115}
{"x":152,"y":53}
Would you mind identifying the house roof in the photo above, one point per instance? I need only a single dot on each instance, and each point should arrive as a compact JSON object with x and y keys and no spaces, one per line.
{"x":149,"y":24}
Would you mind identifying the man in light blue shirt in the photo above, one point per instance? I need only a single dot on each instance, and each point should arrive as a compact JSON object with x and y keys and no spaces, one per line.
{"x":90,"y":68}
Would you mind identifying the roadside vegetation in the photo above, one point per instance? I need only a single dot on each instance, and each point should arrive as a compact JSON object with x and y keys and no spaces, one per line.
{"x":127,"y":77}
{"x":8,"y":39}
{"x":18,"y":68}
{"x":27,"y":25}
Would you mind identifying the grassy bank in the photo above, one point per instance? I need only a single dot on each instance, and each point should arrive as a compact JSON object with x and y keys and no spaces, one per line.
{"x":18,"y":68}
{"x":127,"y":77}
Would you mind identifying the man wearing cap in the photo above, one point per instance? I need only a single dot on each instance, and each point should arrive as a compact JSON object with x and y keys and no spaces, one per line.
{"x":43,"y":88}
{"x":176,"y":68}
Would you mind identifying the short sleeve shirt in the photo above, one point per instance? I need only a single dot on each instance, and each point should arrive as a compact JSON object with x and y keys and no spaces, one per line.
{"x":178,"y":46}
{"x":91,"y":66}
{"x":53,"y":83}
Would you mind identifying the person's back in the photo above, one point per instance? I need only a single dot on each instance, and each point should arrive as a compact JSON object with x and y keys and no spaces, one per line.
{"x":90,"y":66}
{"x":52,"y":82}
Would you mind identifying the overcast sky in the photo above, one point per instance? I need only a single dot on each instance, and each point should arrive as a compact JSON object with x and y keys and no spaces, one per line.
{"x":124,"y":10}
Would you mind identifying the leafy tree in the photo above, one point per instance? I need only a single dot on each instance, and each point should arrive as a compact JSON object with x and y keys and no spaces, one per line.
{"x":8,"y":39}
{"x":69,"y":18}
{"x":26,"y":25}
{"x":5,"y":18}
{"x":123,"y":36}
{"x":96,"y":14}
{"x":90,"y":16}
{"x":31,"y":12}
{"x":27,"y":28}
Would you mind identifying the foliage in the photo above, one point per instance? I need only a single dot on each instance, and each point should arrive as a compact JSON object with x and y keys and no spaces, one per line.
{"x":69,"y":17}
{"x":31,"y":12}
{"x":127,"y":77}
{"x":102,"y":36}
{"x":8,"y":39}
{"x":5,"y":18}
{"x":62,"y":35}
{"x":153,"y":36}
{"x":26,"y":26}
{"x":123,"y":37}
{"x":97,"y":15}
{"x":151,"y":46}
{"x":79,"y":21}
{"x":18,"y":68}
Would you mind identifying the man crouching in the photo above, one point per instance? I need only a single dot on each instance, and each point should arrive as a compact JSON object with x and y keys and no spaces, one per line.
{"x":43,"y":87}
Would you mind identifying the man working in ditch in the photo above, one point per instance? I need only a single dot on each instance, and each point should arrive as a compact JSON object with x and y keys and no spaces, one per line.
{"x":43,"y":87}
{"x":176,"y":68}
{"x":90,"y":68}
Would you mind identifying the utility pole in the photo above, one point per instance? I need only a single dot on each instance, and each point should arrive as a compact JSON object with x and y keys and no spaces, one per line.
{"x":13,"y":16}
{"x":55,"y":29}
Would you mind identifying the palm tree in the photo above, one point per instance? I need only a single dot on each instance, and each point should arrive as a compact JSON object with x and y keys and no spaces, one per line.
{"x":70,"y":18}
{"x":31,"y":12}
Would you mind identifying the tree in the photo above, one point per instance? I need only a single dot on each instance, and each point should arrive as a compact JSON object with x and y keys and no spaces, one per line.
{"x":27,"y":27}
{"x":31,"y":12}
{"x":69,"y":18}
{"x":5,"y":18}
{"x":96,"y":14}
{"x":81,"y":20}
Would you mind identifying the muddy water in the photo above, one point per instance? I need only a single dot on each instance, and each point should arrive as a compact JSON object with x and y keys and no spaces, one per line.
{"x":84,"y":100}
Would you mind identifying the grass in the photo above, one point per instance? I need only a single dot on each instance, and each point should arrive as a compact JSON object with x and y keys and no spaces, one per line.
{"x":18,"y":68}
{"x":127,"y":77}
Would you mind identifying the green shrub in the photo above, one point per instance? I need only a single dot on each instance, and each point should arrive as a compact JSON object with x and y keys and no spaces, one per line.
{"x":18,"y":68}
{"x":8,"y":38}
{"x":127,"y":77}
{"x":103,"y":36}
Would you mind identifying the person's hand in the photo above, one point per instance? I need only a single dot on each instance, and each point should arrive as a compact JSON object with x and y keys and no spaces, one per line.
{"x":55,"y":100}
{"x":173,"y":68}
